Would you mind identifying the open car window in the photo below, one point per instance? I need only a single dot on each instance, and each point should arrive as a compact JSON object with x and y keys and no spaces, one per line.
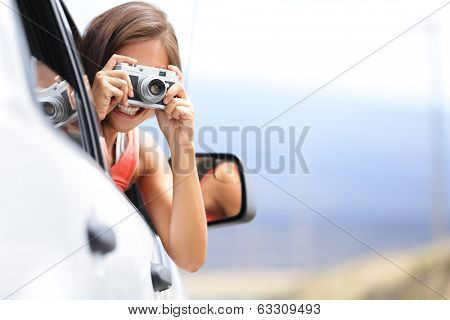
{"x":60,"y":88}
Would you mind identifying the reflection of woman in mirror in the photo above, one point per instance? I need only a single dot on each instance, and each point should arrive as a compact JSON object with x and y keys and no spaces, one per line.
{"x":221,"y":188}
{"x":139,"y":33}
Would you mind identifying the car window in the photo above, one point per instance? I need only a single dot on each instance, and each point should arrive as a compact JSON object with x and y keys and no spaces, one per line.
{"x":60,"y":86}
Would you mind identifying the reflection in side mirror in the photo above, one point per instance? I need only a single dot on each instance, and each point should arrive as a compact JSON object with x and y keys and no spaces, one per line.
{"x":226,"y":192}
{"x":221,"y":185}
{"x":225,"y":187}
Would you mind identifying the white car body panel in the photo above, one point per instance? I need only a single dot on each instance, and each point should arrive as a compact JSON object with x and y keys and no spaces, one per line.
{"x":50,"y":190}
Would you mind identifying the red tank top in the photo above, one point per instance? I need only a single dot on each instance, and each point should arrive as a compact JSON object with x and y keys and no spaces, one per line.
{"x":127,"y":157}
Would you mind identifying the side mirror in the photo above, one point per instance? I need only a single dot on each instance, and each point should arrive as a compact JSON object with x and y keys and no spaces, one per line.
{"x":225,"y":186}
{"x":226,"y":189}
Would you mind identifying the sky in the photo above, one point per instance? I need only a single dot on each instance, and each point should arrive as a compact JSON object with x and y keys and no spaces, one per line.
{"x":300,"y":45}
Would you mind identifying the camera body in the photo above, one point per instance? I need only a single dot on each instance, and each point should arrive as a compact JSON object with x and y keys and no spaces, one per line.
{"x":150,"y":84}
{"x":55,"y":102}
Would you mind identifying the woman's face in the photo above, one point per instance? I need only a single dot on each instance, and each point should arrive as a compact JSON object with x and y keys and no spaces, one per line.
{"x":149,"y":53}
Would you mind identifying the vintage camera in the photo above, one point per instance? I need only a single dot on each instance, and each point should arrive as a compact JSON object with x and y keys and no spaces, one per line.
{"x":55,"y":102}
{"x":150,"y":84}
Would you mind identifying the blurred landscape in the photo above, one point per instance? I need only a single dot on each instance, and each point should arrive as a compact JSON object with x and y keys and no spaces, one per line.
{"x":373,"y":174}
{"x":369,"y":277}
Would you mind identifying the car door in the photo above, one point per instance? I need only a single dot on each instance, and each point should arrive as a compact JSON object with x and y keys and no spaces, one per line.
{"x":43,"y":236}
{"x":111,"y":246}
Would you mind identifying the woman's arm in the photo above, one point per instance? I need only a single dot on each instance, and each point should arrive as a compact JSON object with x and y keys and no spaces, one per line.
{"x":174,"y":202}
{"x":179,"y":216}
{"x":224,"y":190}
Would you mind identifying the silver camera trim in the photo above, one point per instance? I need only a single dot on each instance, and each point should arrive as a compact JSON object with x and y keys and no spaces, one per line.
{"x":53,"y":95}
{"x":145,"y":91}
{"x":145,"y":75}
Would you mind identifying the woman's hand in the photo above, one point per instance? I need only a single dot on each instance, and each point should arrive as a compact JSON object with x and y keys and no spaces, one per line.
{"x":177,"y":119}
{"x":111,"y":87}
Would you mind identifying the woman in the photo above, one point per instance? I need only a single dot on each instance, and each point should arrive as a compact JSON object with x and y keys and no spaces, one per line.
{"x":138,"y":32}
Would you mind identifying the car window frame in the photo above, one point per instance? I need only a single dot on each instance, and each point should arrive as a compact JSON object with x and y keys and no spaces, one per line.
{"x":86,"y":112}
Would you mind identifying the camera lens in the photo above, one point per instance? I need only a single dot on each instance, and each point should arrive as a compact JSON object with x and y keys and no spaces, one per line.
{"x":156,"y":87}
{"x":151,"y":89}
{"x":49,"y":109}
{"x":56,"y":109}
{"x":55,"y":103}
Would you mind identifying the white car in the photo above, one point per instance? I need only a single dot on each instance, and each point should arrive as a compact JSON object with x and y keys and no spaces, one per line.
{"x":66,"y":231}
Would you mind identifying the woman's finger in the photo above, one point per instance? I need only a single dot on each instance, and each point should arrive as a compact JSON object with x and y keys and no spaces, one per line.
{"x":176,"y":102}
{"x":122,"y":85}
{"x":115,"y":59}
{"x":168,"y":109}
{"x":177,"y":71}
{"x":183,"y":113}
{"x":113,"y":92}
{"x":176,"y":90}
{"x":121,"y":75}
{"x":117,"y":82}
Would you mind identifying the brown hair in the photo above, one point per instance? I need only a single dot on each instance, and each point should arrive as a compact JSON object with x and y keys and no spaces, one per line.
{"x":126,"y":23}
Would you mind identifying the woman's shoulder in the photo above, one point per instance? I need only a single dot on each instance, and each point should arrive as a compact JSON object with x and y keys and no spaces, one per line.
{"x":227,"y":172}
